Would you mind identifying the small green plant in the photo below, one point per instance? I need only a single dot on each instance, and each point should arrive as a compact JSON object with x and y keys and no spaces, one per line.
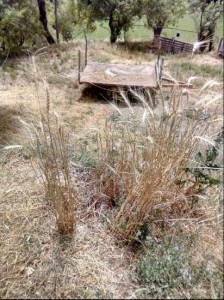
{"x":165,"y":265}
{"x":58,"y":80}
{"x":85,"y":154}
{"x":85,"y":159}
{"x":89,"y":111}
{"x":13,"y":74}
{"x":196,"y":70}
{"x":167,"y":269}
{"x":115,"y":117}
{"x":193,"y":114}
{"x":207,"y":166}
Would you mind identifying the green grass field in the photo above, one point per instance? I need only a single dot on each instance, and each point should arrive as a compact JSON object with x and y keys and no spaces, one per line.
{"x":185,"y":26}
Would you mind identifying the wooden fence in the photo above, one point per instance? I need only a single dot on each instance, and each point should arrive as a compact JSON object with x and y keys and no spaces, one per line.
{"x":221,"y":48}
{"x":168,"y":45}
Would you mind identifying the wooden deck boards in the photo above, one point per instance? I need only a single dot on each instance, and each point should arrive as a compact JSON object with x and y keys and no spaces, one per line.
{"x":119,"y":75}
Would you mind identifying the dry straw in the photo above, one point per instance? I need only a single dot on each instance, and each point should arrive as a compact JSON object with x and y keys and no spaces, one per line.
{"x":143,"y":159}
{"x":51,"y":145}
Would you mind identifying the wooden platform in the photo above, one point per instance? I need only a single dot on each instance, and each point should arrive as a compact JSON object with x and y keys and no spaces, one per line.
{"x":121,"y":75}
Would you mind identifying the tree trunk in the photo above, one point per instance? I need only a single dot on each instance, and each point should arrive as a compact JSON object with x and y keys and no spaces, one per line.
{"x":56,"y":19}
{"x":115,"y":30}
{"x":211,"y":46}
{"x":201,"y":35}
{"x":43,"y":20}
{"x":157,"y":30}
{"x":211,"y":33}
{"x":113,"y":37}
{"x":202,"y":38}
{"x":21,"y":40}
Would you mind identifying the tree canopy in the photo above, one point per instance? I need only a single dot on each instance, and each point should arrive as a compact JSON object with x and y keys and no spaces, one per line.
{"x":118,"y":13}
{"x":160,"y":13}
{"x":18,"y":23}
{"x":21,"y":20}
{"x":206,"y":14}
{"x":73,"y":15}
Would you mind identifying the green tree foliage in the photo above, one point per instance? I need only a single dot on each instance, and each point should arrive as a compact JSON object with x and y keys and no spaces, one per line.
{"x":206,"y":14}
{"x":160,"y":13}
{"x":18,"y":23}
{"x":118,"y":13}
{"x":73,"y":16}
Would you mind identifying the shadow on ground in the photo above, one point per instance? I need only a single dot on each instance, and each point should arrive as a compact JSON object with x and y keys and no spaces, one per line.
{"x":9,"y":123}
{"x":135,"y":46}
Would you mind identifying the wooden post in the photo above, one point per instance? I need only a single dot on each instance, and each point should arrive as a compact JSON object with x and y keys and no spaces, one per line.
{"x":173,"y":46}
{"x":158,"y":68}
{"x":79,"y":65}
{"x":153,"y":97}
{"x":161,"y":69}
{"x":86,"y":46}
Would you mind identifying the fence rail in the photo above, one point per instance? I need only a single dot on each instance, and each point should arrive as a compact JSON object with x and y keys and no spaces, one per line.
{"x":168,"y":45}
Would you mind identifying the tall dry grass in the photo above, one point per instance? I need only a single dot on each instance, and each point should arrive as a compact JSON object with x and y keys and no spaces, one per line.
{"x":54,"y":166}
{"x":143,"y":162}
{"x":51,"y":143}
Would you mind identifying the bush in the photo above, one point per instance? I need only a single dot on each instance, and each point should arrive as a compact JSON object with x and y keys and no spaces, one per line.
{"x":19,"y":23}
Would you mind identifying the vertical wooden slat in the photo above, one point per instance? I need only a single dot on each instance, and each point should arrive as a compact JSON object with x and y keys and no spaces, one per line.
{"x":86,"y":47}
{"x":79,"y":65}
{"x":174,"y":46}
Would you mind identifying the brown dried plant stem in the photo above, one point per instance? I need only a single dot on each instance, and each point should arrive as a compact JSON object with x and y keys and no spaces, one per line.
{"x":53,"y":163}
{"x":168,"y":146}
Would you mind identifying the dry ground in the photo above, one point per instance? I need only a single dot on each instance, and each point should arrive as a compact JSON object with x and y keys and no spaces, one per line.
{"x":35,"y":261}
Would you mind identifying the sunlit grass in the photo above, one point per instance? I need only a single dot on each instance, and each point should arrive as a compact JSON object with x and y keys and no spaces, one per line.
{"x":184,"y":26}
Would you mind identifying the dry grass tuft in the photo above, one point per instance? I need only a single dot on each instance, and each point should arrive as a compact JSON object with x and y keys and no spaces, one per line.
{"x":38,"y":263}
{"x":53,"y":163}
{"x":143,"y":161}
{"x":10,"y":125}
